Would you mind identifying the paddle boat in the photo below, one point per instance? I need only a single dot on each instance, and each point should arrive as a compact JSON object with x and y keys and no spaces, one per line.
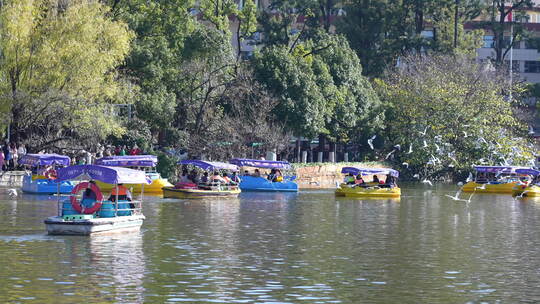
{"x":527,"y":189}
{"x":493,"y":179}
{"x":354,"y":187}
{"x":146,"y":162}
{"x":204,"y":190}
{"x":41,"y":180}
{"x":93,"y":214}
{"x":259,"y":183}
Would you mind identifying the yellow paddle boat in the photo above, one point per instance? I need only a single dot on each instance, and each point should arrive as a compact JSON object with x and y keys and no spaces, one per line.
{"x":526,"y":188}
{"x":493,"y":179}
{"x":146,"y":162}
{"x":358,"y":187}
{"x":208,"y":188}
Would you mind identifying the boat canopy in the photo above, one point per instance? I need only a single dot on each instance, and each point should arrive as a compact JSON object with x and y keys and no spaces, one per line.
{"x":208,"y":165}
{"x":370,"y":171}
{"x":529,"y":171}
{"x":498,"y":169}
{"x":44,"y":160}
{"x":269,"y":164}
{"x":109,"y":175}
{"x":128,"y":161}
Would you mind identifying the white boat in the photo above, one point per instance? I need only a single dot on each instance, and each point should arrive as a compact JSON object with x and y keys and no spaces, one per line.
{"x":91,"y":216}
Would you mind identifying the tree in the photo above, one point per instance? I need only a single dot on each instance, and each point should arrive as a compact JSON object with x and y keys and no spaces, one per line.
{"x":57,"y":70}
{"x":451,"y":112}
{"x":320,"y":87}
{"x":500,"y":19}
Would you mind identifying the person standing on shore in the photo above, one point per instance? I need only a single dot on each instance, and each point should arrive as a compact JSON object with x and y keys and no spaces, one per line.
{"x":14,"y":156}
{"x":1,"y":160}
{"x":7,"y":156}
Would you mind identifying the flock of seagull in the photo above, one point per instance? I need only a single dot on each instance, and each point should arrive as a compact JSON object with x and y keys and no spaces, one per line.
{"x":441,"y":151}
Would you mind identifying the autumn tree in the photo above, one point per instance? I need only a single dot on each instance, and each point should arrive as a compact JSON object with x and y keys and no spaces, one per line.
{"x":57,"y":70}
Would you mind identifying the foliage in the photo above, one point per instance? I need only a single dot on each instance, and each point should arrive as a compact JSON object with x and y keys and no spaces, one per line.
{"x":320,"y":87}
{"x":137,"y":133}
{"x":166,"y":165}
{"x":450,"y":112}
{"x":57,"y":70}
{"x":382,"y":31}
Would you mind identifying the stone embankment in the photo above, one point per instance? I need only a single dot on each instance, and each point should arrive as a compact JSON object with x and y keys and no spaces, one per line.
{"x":11,"y":178}
{"x":325,"y":175}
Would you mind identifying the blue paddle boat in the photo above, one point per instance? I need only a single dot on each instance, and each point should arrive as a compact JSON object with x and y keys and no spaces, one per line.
{"x":93,"y":213}
{"x":43,"y":173}
{"x":259,"y":183}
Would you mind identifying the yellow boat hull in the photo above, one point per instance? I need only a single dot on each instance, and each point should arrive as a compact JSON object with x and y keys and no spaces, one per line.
{"x":373,"y":191}
{"x":489,"y":188}
{"x":171,"y":192}
{"x":528,"y":191}
{"x":154,"y":187}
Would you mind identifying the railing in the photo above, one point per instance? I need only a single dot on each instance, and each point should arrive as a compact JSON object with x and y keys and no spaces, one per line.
{"x":136,"y":210}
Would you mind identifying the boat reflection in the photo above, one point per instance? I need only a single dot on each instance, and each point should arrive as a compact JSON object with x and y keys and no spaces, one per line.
{"x":120,"y":258}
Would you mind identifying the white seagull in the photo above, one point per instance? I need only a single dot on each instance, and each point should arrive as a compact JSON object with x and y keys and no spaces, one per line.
{"x":12,"y":192}
{"x":370,"y":141}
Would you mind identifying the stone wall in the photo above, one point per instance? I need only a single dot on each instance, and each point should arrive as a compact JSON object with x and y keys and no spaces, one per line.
{"x":323,"y":176}
{"x":11,"y":178}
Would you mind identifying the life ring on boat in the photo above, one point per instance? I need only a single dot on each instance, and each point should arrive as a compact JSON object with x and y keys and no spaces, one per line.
{"x":50,"y":173}
{"x":77,"y":205}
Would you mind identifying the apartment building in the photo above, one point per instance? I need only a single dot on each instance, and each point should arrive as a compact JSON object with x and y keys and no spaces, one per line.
{"x":525,"y":55}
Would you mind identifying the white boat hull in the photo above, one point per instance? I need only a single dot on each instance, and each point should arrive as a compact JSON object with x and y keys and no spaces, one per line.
{"x":57,"y":226}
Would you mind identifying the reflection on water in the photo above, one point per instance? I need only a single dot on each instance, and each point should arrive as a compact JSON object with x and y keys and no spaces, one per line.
{"x":306,"y":247}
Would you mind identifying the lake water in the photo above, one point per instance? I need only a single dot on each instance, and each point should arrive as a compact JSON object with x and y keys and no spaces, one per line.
{"x":309,"y":247}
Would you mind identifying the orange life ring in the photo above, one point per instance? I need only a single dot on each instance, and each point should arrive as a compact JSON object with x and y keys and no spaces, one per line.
{"x":50,"y":173}
{"x":77,"y":205}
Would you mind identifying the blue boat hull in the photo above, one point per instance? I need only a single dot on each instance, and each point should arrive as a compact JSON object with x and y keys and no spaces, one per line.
{"x":252,"y":183}
{"x":45,"y":185}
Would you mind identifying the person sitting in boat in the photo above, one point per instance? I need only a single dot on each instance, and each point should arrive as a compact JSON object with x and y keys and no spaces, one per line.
{"x":204,"y":178}
{"x":278,"y":176}
{"x":226,"y":178}
{"x":184,"y":177}
{"x":349,"y":179}
{"x":193,"y":177}
{"x":235,"y":179}
{"x":376,"y":180}
{"x":272,"y":175}
{"x":359,"y":181}
{"x":122,"y":192}
{"x":390,"y":181}
{"x":257,"y":173}
{"x":216,"y":178}
{"x":88,"y":197}
{"x":481,"y":178}
{"x":246,"y":173}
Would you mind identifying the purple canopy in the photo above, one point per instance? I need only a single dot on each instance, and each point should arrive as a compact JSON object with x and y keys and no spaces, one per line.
{"x":498,"y":169}
{"x":208,"y":165}
{"x":128,"y":161}
{"x":109,"y":175}
{"x":270,"y":164}
{"x":529,"y":171}
{"x":44,"y":160}
{"x":370,"y":171}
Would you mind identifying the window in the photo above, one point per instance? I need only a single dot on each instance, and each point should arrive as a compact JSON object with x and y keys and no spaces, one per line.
{"x":488,"y":41}
{"x":532,"y":43}
{"x":515,"y":65}
{"x":532,"y":66}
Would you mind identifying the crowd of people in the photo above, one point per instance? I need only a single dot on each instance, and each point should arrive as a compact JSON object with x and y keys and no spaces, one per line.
{"x":10,"y":153}
{"x":359,"y":181}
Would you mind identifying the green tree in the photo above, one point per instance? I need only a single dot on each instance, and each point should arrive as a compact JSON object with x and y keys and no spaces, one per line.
{"x":320,"y":87}
{"x":498,"y":13}
{"x":57,"y":70}
{"x":451,"y":113}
